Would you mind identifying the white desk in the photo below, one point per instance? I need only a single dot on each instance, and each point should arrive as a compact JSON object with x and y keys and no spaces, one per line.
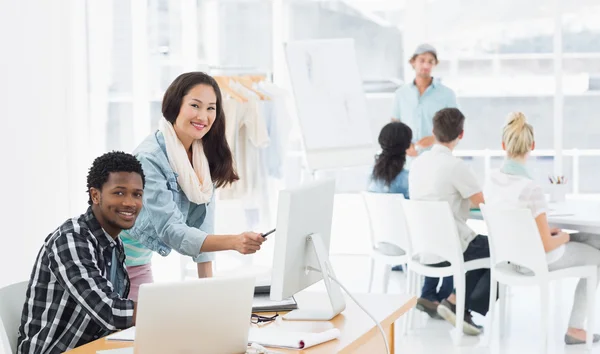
{"x":580,"y":215}
{"x":358,"y":333}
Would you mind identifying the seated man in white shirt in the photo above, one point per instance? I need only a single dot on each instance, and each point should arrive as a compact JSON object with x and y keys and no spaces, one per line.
{"x":513,"y":186}
{"x":437,"y":175}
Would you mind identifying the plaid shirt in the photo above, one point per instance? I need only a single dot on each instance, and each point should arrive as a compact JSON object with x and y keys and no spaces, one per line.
{"x":70,"y":300}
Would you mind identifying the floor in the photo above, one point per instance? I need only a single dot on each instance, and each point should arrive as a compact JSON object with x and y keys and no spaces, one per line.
{"x":349,"y":243}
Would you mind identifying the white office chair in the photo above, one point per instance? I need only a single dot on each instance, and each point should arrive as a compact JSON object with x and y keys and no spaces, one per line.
{"x":12,"y":298}
{"x":514,"y":238}
{"x":432,"y":230}
{"x":389,"y":239}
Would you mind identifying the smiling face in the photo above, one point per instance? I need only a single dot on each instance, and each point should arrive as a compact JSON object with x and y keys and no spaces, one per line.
{"x":197,"y":114}
{"x":424,"y":64}
{"x":117,"y":204}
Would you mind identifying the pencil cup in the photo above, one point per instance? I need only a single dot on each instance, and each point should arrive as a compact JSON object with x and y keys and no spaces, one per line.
{"x":558,"y":193}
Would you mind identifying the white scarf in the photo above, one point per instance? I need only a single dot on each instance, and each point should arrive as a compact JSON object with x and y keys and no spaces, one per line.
{"x":195,"y":181}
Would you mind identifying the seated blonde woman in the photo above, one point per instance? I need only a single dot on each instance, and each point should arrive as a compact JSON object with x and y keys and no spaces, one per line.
{"x":513,"y":185}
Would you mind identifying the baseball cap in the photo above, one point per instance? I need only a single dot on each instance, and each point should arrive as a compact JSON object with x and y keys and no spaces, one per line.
{"x":425,"y":48}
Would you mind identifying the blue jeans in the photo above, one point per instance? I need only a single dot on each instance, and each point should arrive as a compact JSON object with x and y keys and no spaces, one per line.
{"x":430,"y":285}
{"x":477,"y":282}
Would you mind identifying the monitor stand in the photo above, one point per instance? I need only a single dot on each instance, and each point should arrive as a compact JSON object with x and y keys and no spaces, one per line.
{"x":334,"y":293}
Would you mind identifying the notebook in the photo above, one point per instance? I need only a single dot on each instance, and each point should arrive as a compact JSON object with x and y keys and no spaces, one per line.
{"x":279,"y":338}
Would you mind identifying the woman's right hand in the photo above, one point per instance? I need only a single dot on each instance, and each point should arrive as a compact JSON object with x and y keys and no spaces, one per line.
{"x":248,"y":242}
{"x":564,"y":236}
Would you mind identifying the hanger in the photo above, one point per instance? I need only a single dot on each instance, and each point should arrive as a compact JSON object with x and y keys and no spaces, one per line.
{"x":223,"y":82}
{"x":247,"y":82}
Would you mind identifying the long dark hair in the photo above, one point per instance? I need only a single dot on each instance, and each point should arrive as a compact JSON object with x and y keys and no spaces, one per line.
{"x":395,"y":138}
{"x":216,"y":148}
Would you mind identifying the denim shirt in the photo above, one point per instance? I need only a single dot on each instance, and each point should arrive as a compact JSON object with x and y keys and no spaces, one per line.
{"x":417,"y":111}
{"x":398,"y":185}
{"x":168,"y":220}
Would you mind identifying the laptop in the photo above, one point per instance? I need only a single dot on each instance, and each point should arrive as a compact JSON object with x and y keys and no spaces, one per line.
{"x":209,"y":315}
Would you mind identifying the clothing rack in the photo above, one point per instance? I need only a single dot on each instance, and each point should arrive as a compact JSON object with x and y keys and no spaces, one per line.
{"x":240,"y":70}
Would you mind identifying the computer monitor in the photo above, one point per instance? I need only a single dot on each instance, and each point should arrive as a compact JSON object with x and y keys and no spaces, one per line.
{"x":301,"y":255}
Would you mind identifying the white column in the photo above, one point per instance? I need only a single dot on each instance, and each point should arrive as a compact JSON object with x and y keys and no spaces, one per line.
{"x":79,"y":149}
{"x":35,"y":96}
{"x":139,"y":65}
{"x":189,"y":35}
{"x":100,"y":43}
{"x":558,"y":89}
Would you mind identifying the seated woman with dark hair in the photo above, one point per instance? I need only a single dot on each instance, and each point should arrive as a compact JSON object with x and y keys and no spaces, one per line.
{"x":389,"y":174}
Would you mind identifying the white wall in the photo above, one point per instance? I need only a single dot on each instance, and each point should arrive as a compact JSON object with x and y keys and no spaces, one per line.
{"x":42,"y":100}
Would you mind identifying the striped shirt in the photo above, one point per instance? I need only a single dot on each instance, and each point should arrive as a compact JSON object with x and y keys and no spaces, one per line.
{"x":137,"y":253}
{"x":70,"y":299}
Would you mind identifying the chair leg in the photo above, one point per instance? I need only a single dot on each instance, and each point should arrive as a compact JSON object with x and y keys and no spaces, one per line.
{"x":409,"y":291}
{"x":372,"y":274}
{"x":591,"y":284}
{"x":459,"y":285}
{"x":492,"y":306}
{"x":545,"y":307}
{"x":414,"y":290}
{"x":502,"y":309}
{"x":386,"y":278}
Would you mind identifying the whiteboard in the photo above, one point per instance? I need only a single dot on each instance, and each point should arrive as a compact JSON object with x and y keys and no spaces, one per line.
{"x":331,"y":103}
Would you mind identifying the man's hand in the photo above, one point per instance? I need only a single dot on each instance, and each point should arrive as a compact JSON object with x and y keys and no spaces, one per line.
{"x":554,"y":231}
{"x":411,"y":151}
{"x":248,"y":242}
{"x":426,"y":141}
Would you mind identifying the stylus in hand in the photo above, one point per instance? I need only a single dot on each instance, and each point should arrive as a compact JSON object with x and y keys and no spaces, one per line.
{"x":268,"y":233}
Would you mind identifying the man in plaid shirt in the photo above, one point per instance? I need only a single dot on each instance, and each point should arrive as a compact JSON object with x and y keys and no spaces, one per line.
{"x":79,"y":286}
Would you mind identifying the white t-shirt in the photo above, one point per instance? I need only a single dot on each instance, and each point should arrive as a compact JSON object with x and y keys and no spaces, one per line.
{"x":515,"y":191}
{"x":437,"y":175}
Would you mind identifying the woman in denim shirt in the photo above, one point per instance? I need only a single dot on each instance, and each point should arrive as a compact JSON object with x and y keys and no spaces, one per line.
{"x":184,"y":161}
{"x":389,"y":174}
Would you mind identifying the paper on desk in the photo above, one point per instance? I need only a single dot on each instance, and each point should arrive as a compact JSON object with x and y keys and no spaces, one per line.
{"x":279,"y":338}
{"x":116,"y":351}
{"x":127,"y":335}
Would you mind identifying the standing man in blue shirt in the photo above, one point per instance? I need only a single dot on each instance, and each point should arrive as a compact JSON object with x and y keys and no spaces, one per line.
{"x":415,"y":104}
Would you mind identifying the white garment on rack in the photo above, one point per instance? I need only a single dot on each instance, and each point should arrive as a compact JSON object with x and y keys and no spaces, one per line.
{"x":248,"y":134}
{"x":279,"y":124}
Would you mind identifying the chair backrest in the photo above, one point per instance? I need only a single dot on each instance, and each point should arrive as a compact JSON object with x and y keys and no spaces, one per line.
{"x":386,"y":219}
{"x":432,"y":230}
{"x":12,"y":299}
{"x":514,"y":237}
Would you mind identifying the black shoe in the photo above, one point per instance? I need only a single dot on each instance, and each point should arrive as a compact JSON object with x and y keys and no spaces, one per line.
{"x":448,"y":312}
{"x":572,"y":340}
{"x":429,"y":307}
{"x":397,"y":268}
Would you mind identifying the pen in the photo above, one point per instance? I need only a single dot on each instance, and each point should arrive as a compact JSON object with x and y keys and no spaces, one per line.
{"x":268,"y":233}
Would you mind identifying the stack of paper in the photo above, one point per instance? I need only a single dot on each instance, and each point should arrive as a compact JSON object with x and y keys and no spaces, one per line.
{"x":279,"y":338}
{"x":116,"y":351}
{"x":126,"y":335}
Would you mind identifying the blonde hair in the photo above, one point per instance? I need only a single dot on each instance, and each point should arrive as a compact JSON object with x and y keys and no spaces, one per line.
{"x":517,"y":135}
